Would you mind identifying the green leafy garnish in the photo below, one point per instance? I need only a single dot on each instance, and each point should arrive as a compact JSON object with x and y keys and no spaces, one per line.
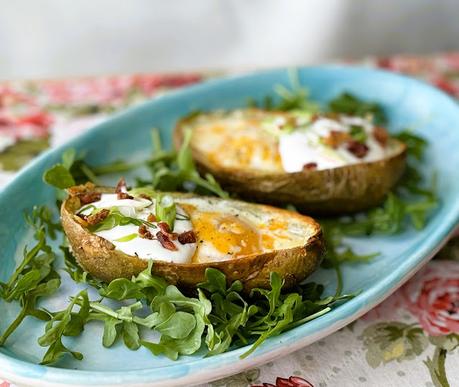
{"x":165,"y":210}
{"x":416,"y":145}
{"x":127,"y":238}
{"x":64,"y":323}
{"x":170,"y":170}
{"x":358,"y":133}
{"x":116,"y":218}
{"x":295,"y":99}
{"x":349,"y":104}
{"x":35,"y":277}
{"x":59,"y":177}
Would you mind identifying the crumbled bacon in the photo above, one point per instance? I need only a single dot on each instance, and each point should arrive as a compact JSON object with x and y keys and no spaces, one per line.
{"x":187,"y":237}
{"x":315,"y":117}
{"x":357,"y":148}
{"x":381,"y":135}
{"x":165,"y":241}
{"x":97,"y":217}
{"x":78,"y":190}
{"x":332,"y":115}
{"x":164,"y":227}
{"x":145,"y":233}
{"x":309,"y":166}
{"x":145,"y":196}
{"x":336,"y":138}
{"x":151,"y":218}
{"x":166,"y":230}
{"x":121,"y":186}
{"x":124,"y":195}
{"x":89,"y":197}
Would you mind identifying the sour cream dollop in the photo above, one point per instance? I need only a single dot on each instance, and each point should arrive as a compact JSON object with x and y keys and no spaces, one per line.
{"x":140,"y":208}
{"x":305,"y":145}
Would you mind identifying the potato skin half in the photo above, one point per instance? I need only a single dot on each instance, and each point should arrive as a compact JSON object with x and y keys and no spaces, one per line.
{"x":342,"y":190}
{"x":99,"y":257}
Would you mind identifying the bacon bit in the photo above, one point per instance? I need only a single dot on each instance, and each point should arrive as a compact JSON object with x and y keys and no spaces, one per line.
{"x":121,"y":186}
{"x":310,"y":167}
{"x":315,"y":117}
{"x":144,"y":196}
{"x":81,"y":189}
{"x":89,"y":197}
{"x":166,"y":242}
{"x":357,"y":149}
{"x":187,"y":237}
{"x":381,"y":135}
{"x":336,"y":138}
{"x":124,"y":195}
{"x":144,"y":233}
{"x":164,"y":227}
{"x":151,"y":218}
{"x":97,"y":217}
{"x":331,"y":115}
{"x":166,"y":230}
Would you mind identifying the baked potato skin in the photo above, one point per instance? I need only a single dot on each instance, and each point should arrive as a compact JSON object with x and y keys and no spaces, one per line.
{"x":346,"y":189}
{"x":99,"y":257}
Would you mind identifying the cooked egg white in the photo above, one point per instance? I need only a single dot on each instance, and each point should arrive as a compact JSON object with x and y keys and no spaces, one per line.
{"x":224,"y":230}
{"x":144,"y":248}
{"x":304,"y":145}
{"x":277,"y":141}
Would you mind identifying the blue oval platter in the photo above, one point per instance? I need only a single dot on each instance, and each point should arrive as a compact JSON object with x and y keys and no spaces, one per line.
{"x":408,"y":103}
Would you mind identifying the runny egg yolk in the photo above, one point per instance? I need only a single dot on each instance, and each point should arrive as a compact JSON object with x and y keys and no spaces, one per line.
{"x":223,"y":237}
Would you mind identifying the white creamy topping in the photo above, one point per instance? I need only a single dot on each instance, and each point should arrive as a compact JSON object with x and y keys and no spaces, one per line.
{"x":304,"y":145}
{"x":144,"y":248}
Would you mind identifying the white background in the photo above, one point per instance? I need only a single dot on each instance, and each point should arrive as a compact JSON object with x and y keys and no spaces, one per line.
{"x":49,"y":38}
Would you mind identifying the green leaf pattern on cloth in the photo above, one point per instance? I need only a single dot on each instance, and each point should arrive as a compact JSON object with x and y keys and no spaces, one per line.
{"x":391,"y":341}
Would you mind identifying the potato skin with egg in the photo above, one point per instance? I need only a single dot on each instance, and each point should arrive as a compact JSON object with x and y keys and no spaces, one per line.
{"x":340,"y":190}
{"x":100,"y":258}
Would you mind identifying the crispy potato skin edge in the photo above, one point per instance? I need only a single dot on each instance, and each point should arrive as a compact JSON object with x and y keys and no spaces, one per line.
{"x":98,"y":256}
{"x":346,"y":189}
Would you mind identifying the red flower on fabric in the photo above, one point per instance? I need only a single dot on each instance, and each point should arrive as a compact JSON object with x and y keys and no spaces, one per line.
{"x":4,"y":384}
{"x":110,"y":90}
{"x":433,"y":297}
{"x":407,"y":64}
{"x":21,"y":117}
{"x":451,"y":60}
{"x":447,"y":84}
{"x":292,"y":381}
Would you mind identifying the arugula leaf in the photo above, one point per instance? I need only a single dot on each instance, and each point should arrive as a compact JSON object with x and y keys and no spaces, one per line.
{"x":416,"y":145}
{"x":347,"y":103}
{"x":75,"y":271}
{"x":122,"y":289}
{"x":35,"y":276}
{"x":358,"y":133}
{"x":59,"y":177}
{"x":180,"y":173}
{"x":170,"y":170}
{"x":116,"y":218}
{"x":64,"y":323}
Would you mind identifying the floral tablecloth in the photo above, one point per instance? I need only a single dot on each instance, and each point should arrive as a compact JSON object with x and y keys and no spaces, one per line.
{"x":411,"y":339}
